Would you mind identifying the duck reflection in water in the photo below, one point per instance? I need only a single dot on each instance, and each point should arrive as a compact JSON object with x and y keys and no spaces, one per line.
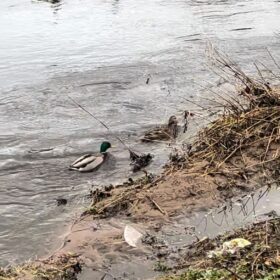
{"x":55,"y":4}
{"x":115,"y":6}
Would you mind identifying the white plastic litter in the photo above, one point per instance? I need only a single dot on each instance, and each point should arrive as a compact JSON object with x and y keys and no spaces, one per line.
{"x":132,"y":236}
{"x":231,"y":247}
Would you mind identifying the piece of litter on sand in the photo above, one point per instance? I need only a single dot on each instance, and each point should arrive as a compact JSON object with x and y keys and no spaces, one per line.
{"x":132,"y":236}
{"x":230,"y":247}
{"x":237,"y":243}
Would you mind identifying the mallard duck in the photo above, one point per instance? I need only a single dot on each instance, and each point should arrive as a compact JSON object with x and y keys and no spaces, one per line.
{"x":163,"y":133}
{"x":90,"y":162}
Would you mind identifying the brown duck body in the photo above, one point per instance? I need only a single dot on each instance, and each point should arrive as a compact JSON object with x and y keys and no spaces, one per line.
{"x":163,"y":133}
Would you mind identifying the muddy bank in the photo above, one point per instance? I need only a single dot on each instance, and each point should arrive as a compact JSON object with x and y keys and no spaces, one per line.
{"x":236,"y":153}
{"x":258,"y":260}
{"x":233,"y":156}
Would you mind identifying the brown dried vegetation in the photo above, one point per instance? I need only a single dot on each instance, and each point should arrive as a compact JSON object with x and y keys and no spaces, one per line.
{"x":237,"y":152}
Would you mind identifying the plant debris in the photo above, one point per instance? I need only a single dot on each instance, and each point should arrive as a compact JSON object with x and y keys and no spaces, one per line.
{"x":61,"y":201}
{"x":187,"y":116}
{"x":260,"y":260}
{"x":62,"y":267}
{"x":251,"y":119}
{"x":117,"y":199}
{"x":139,"y":161}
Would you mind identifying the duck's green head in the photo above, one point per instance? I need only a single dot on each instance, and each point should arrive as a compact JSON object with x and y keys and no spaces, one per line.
{"x":105,"y":146}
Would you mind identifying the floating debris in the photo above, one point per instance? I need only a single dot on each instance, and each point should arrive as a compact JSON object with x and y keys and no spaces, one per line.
{"x":139,"y":161}
{"x":148,"y":79}
{"x":187,"y":115}
{"x":61,"y":201}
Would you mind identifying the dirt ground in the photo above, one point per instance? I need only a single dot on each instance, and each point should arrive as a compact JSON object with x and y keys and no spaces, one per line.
{"x":98,"y":239}
{"x":260,"y":260}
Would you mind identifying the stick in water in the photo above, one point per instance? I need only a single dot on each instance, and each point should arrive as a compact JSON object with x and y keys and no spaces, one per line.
{"x":103,"y":124}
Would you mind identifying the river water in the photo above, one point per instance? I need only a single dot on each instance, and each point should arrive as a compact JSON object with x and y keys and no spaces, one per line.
{"x":101,"y":53}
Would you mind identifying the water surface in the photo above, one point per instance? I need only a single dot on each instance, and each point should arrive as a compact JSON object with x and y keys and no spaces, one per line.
{"x":101,"y":53}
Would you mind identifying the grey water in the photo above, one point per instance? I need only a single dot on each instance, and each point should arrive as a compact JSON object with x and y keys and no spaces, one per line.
{"x":260,"y":205}
{"x":101,"y":53}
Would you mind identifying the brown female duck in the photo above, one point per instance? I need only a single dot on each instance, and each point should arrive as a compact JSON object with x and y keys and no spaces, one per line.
{"x":164,"y":132}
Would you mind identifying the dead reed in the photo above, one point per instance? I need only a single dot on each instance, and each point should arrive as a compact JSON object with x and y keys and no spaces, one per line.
{"x":250,"y":119}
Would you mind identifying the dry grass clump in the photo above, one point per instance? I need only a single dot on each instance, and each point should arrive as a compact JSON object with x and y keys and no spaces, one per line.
{"x":233,"y":133}
{"x":63,"y":267}
{"x":249,"y":120}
